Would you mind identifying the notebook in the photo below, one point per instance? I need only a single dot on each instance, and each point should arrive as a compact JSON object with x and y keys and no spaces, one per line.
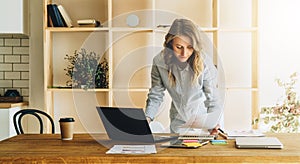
{"x":258,"y":142}
{"x":130,"y":125}
{"x":194,"y":133}
{"x":182,"y":144}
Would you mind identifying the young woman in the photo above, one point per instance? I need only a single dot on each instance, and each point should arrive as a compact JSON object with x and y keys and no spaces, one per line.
{"x":187,"y":73}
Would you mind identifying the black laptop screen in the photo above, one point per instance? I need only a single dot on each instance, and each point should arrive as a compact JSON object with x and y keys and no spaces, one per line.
{"x":128,"y":120}
{"x":128,"y":124}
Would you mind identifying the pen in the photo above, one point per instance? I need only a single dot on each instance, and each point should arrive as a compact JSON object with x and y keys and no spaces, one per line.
{"x":222,"y":133}
{"x":205,"y":142}
{"x":221,"y":130}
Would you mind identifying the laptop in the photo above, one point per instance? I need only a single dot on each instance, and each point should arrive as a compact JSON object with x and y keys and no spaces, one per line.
{"x":129,"y":125}
{"x":258,"y":143}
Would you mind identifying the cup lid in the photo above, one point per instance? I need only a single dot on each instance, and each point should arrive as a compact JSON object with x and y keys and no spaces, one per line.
{"x":66,"y":119}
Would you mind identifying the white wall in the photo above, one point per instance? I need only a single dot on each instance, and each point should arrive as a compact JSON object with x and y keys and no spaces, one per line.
{"x":36,"y":67}
{"x":279,"y":46}
{"x":36,"y":55}
{"x":279,"y":55}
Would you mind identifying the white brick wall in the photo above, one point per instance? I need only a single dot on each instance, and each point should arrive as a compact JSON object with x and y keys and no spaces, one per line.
{"x":14,"y":64}
{"x":5,"y":50}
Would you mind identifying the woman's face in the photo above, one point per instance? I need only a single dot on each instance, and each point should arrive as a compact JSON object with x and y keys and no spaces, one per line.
{"x":182,"y":47}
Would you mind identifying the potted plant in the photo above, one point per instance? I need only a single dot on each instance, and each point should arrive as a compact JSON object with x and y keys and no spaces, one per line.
{"x":86,"y":70}
{"x":283,"y":117}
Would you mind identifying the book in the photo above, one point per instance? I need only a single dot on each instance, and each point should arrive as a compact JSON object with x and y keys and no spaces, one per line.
{"x":88,"y":23}
{"x":52,"y":20}
{"x":55,"y":16}
{"x":65,"y":16}
{"x":61,"y":22}
{"x":49,"y":21}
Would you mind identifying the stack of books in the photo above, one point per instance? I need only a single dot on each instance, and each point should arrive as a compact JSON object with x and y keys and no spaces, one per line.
{"x":57,"y":16}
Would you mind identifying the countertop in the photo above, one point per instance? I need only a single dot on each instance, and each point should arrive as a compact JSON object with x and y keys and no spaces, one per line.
{"x":11,"y":105}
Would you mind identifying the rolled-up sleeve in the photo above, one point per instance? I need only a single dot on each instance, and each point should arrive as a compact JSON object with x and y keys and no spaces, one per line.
{"x":210,"y":89}
{"x":156,"y":92}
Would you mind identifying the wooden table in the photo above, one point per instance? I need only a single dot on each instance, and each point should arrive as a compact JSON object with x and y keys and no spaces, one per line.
{"x":48,"y":148}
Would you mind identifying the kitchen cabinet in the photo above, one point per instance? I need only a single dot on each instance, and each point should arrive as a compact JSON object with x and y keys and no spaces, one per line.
{"x":14,"y":17}
{"x":7,"y":111}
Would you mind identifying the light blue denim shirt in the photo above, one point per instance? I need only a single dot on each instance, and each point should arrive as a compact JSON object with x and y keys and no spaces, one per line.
{"x":187,"y":99}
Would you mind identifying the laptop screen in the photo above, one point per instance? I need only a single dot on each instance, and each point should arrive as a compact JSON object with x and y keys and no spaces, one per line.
{"x":125,"y":124}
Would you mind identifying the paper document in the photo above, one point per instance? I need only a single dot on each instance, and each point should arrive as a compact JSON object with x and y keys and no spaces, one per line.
{"x":132,"y":149}
{"x":203,"y":121}
{"x":244,"y":133}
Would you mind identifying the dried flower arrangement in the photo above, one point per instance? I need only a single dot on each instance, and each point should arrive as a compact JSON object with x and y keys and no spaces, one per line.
{"x":85,"y":70}
{"x":283,"y":117}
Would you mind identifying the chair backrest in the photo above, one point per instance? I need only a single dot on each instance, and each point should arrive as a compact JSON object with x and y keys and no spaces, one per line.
{"x":17,"y":119}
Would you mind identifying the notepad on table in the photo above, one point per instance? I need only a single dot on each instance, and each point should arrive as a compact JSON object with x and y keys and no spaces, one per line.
{"x":244,"y":133}
{"x":132,"y":149}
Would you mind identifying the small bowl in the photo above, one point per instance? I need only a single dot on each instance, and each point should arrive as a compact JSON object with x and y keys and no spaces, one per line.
{"x":12,"y":93}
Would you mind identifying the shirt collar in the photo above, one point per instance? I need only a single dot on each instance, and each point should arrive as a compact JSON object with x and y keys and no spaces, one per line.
{"x":186,"y":68}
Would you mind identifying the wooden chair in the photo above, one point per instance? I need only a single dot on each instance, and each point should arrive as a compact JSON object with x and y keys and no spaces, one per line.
{"x":17,"y":119}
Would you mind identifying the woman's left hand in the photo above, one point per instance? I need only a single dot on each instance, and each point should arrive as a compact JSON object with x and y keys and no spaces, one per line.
{"x":214,"y":131}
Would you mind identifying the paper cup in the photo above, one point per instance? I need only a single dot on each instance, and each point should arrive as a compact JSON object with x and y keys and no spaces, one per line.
{"x":66,"y":128}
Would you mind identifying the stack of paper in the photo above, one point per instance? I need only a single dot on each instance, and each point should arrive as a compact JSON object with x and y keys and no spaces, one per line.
{"x":243,"y":133}
{"x":132,"y":149}
{"x":194,"y":133}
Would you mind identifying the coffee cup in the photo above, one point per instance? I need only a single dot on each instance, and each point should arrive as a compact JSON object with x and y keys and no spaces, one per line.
{"x":66,"y":128}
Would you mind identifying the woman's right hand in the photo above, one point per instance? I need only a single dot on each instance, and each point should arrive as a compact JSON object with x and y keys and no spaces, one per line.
{"x":148,"y":119}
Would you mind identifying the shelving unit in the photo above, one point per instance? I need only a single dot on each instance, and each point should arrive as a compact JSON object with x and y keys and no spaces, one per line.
{"x":130,"y":50}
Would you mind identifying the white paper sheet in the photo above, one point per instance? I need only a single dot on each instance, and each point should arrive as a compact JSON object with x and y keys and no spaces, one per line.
{"x":203,"y":121}
{"x":132,"y":149}
{"x":244,"y":133}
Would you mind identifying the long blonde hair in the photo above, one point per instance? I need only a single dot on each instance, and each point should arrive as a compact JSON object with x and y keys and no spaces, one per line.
{"x":184,"y":27}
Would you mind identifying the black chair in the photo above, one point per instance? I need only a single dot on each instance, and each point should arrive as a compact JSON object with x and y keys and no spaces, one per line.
{"x":17,"y":119}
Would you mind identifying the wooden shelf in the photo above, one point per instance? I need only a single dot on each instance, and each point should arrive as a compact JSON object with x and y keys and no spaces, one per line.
{"x":76,"y":29}
{"x":242,"y":88}
{"x":76,"y":90}
{"x":231,"y":27}
{"x":254,"y":29}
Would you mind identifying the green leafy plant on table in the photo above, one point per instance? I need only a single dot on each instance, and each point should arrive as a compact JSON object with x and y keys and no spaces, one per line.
{"x":86,"y":70}
{"x":283,"y":118}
